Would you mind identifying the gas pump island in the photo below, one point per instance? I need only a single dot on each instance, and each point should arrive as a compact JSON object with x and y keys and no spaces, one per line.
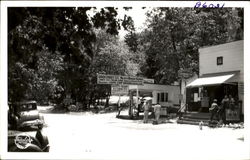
{"x":119,"y":86}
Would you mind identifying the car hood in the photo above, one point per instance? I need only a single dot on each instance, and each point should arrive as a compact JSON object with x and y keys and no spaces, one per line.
{"x":29,"y":115}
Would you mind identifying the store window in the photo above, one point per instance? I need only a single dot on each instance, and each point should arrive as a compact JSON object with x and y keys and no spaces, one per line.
{"x":158,"y":97}
{"x":166,"y":97}
{"x":162,"y":97}
{"x":219,"y":60}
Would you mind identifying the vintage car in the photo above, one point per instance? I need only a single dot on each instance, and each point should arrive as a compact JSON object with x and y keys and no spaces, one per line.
{"x":28,"y":141}
{"x":24,"y":114}
{"x":25,"y":128}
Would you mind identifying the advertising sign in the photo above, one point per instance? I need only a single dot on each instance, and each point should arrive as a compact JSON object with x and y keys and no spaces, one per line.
{"x":180,"y":96}
{"x":147,"y":80}
{"x":241,"y":88}
{"x":232,"y":115}
{"x":117,"y":79}
{"x":119,"y":90}
{"x":184,"y":74}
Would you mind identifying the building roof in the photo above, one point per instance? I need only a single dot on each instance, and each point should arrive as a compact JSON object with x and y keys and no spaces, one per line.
{"x":223,"y":44}
{"x":151,"y":87}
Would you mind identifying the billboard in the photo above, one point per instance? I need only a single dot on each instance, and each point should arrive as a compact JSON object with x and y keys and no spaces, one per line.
{"x":119,"y":80}
{"x":148,"y":80}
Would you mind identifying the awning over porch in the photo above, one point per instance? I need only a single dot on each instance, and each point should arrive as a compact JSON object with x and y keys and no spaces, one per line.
{"x":206,"y":81}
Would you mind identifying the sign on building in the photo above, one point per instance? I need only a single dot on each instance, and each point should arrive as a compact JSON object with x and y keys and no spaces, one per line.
{"x":185,"y":73}
{"x":148,"y":80}
{"x":117,"y":79}
{"x":232,"y":115}
{"x":180,"y":96}
{"x":241,"y":88}
{"x":119,"y":90}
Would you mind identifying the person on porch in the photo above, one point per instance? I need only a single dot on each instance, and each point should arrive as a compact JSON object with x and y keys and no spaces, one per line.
{"x":214,"y":110}
{"x":224,"y":106}
{"x":232,"y":106}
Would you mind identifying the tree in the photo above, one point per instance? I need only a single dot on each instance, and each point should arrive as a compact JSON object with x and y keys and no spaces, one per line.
{"x":131,"y":40}
{"x":64,"y":38}
{"x":174,"y":35}
{"x":46,"y":85}
{"x":112,"y":56}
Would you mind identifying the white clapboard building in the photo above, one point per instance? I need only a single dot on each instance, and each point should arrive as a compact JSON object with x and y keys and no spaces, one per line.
{"x":166,"y":95}
{"x":221,"y":72}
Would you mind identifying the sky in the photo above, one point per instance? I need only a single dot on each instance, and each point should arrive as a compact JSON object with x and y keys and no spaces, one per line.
{"x":137,"y":14}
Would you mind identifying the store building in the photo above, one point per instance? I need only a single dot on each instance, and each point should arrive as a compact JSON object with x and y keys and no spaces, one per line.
{"x":221,"y":72}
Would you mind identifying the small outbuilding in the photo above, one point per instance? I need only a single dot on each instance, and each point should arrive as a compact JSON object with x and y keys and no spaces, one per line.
{"x":166,"y":95}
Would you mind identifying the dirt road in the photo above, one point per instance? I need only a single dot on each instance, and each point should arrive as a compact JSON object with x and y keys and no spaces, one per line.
{"x":102,"y":136}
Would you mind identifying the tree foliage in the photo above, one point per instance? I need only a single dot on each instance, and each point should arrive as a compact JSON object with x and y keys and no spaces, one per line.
{"x":174,"y":35}
{"x":112,"y":56}
{"x":50,"y":50}
{"x":55,"y":52}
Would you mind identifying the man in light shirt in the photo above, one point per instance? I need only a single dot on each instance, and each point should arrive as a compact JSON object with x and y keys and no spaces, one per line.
{"x":157,"y":112}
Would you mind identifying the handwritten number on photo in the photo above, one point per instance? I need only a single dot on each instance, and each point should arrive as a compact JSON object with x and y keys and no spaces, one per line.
{"x":205,"y":5}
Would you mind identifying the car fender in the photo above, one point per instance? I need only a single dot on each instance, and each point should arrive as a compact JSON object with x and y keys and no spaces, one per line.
{"x":43,"y":139}
{"x":42,"y":120}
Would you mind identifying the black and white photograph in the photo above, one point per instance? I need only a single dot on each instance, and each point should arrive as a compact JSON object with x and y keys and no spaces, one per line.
{"x":124,"y":80}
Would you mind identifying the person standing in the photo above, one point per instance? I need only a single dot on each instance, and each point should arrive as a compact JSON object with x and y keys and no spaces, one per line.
{"x":224,"y":106}
{"x":231,"y":102}
{"x":232,"y":106}
{"x":157,"y":111}
{"x":140,"y":105}
{"x":214,"y":109}
{"x":146,"y":111}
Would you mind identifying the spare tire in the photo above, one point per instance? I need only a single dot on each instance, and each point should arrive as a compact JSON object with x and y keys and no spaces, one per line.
{"x":30,"y":148}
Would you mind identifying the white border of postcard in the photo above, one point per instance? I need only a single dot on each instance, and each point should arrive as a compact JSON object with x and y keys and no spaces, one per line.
{"x":3,"y":69}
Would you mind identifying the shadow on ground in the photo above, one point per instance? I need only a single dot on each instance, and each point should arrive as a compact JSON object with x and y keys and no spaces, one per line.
{"x":163,"y":119}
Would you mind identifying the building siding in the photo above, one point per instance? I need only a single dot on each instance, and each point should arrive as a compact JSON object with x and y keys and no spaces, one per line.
{"x":232,"y":54}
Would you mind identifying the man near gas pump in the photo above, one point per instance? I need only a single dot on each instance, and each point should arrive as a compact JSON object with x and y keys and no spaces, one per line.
{"x":157,"y":112}
{"x":146,"y":111}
